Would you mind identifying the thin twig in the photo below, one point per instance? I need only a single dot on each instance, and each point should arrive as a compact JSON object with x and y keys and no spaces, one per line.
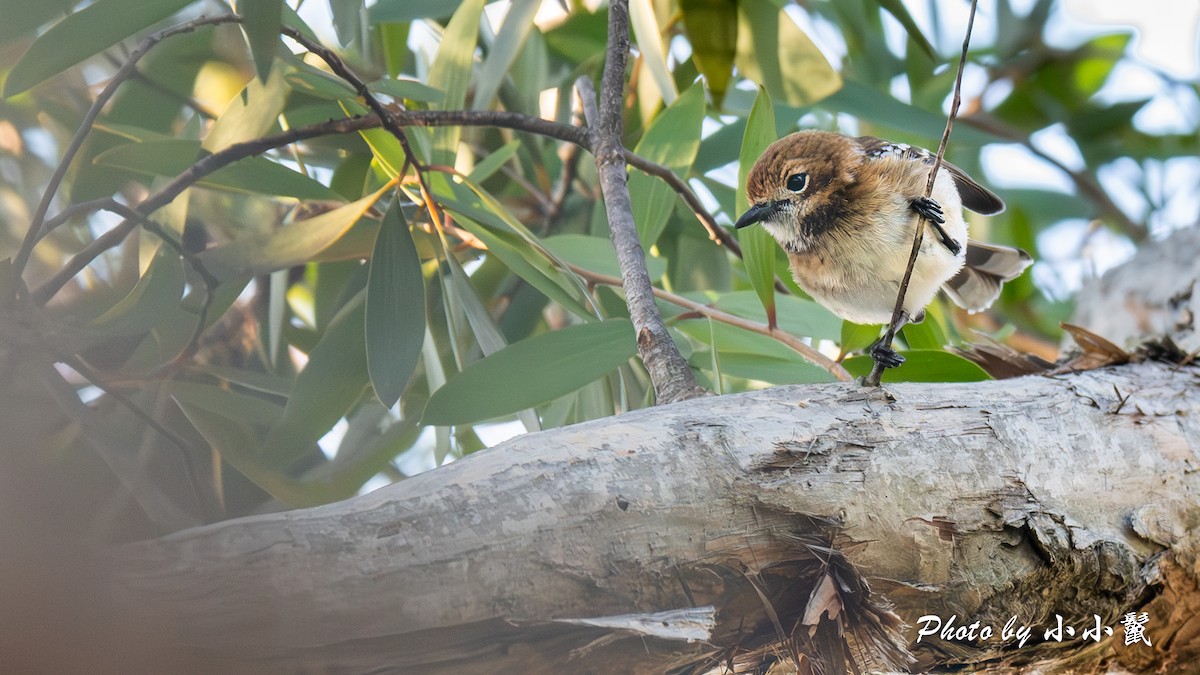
{"x":808,"y":352}
{"x":669,"y":371}
{"x":877,"y":370}
{"x":85,"y":127}
{"x":422,"y":118}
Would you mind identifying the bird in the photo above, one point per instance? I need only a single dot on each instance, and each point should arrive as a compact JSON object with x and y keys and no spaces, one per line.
{"x":845,"y":209}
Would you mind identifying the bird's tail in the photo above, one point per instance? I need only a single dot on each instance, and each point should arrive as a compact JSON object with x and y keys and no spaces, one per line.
{"x":977,"y":284}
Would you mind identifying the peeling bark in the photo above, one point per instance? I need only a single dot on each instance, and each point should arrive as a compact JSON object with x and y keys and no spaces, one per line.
{"x":1029,"y":497}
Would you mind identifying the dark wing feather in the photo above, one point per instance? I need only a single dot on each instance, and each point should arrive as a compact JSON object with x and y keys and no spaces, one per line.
{"x":974,"y":196}
{"x":977,"y":284}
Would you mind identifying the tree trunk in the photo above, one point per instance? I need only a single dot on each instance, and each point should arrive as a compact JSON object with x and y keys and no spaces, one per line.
{"x":682,"y":536}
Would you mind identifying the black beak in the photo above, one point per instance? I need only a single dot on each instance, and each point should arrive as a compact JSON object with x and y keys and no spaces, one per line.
{"x":758,"y":213}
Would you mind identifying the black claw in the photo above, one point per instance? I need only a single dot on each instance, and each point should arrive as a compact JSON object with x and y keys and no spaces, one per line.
{"x":947,"y":240}
{"x":929,"y":209}
{"x":885,"y":356}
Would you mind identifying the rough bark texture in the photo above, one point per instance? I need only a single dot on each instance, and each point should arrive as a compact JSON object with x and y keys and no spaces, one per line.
{"x":741,"y":531}
{"x":1028,"y":497}
{"x":1156,"y":293}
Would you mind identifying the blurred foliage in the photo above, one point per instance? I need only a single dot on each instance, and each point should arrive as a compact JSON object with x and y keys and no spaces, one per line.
{"x":297,"y":323}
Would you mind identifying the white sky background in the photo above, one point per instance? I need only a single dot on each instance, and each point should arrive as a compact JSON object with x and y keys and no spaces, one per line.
{"x":1165,"y":60}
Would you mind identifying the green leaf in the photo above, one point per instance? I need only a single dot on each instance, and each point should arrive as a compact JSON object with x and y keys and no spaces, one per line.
{"x":81,"y":34}
{"x":234,"y":405}
{"x":292,"y":244}
{"x":650,"y":46}
{"x":22,"y":19}
{"x":395,"y":312}
{"x":881,"y":109}
{"x":763,"y":368}
{"x":775,"y":53}
{"x":346,"y":22}
{"x":517,"y":24}
{"x":532,"y":372}
{"x":407,"y":89}
{"x":758,"y":247}
{"x":596,"y":254}
{"x":252,"y":174}
{"x":261,"y":20}
{"x":796,"y":316}
{"x":673,"y":140}
{"x":897,"y":9}
{"x":404,"y":11}
{"x":332,"y":380}
{"x":384,"y":146}
{"x":925,"y":335}
{"x":236,"y":441}
{"x":156,"y":294}
{"x":728,"y":339}
{"x":319,"y":84}
{"x":494,"y":161}
{"x":251,"y":114}
{"x":922,"y":365}
{"x":451,"y":73}
{"x":856,"y":336}
{"x":712,"y":29}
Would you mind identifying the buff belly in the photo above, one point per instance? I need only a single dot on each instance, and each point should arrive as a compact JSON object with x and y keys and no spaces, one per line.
{"x":856,"y":274}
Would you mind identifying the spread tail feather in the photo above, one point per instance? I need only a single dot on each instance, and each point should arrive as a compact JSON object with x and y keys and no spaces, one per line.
{"x":978,"y":283}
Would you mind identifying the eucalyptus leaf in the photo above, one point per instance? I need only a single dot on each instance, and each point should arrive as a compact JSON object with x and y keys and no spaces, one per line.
{"x":758,"y":248}
{"x":533,"y":371}
{"x":261,"y":20}
{"x":922,"y":365}
{"x":395,"y":311}
{"x":333,"y":379}
{"x":292,"y":244}
{"x":85,"y":33}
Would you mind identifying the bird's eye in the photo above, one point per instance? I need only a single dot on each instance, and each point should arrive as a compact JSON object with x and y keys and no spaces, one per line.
{"x":797,"y":182}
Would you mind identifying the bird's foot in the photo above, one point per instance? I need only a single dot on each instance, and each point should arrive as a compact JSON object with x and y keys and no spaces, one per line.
{"x":932,"y":211}
{"x":885,"y":356}
{"x":928,"y":209}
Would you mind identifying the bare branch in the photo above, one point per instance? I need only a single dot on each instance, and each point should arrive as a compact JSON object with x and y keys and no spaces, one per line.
{"x":811,"y":355}
{"x":85,"y":127}
{"x":669,"y":371}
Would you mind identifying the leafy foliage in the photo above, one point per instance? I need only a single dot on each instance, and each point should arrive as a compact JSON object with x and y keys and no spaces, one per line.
{"x":351,"y":302}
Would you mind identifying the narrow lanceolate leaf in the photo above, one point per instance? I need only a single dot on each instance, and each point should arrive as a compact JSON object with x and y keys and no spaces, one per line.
{"x":155,"y":295}
{"x":923,"y":365}
{"x":346,"y":21}
{"x":260,"y":22}
{"x":774,"y":52}
{"x":251,"y":114}
{"x":532,"y":372}
{"x":673,"y":140}
{"x":332,"y":381}
{"x":650,"y":43}
{"x":517,"y":24}
{"x":712,"y":28}
{"x":451,"y":72}
{"x":395,"y":314}
{"x":85,"y":33}
{"x":897,"y":9}
{"x":758,"y":248}
{"x":292,"y":244}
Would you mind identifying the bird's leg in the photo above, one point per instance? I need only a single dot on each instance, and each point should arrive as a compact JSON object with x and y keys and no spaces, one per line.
{"x":881,"y":350}
{"x":930,"y":210}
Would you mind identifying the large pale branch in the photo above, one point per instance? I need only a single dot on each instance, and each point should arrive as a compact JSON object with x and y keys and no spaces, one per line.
{"x":559,"y":550}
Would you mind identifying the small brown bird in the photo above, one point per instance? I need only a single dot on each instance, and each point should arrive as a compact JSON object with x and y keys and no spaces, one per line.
{"x":845,"y":210}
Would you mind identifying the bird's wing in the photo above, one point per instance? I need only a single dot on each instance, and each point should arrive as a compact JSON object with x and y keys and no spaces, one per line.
{"x":974,"y":196}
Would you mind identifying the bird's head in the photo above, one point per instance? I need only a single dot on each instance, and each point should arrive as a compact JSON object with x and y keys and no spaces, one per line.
{"x":796,"y":186}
